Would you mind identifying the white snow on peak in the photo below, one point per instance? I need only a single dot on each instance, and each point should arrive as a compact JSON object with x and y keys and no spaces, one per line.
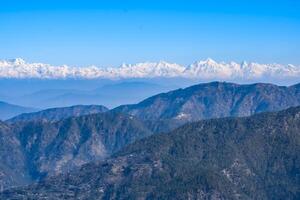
{"x":17,"y":61}
{"x":149,"y":69}
{"x":207,"y":69}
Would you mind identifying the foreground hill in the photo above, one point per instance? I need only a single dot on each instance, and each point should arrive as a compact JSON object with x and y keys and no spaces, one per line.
{"x":214,"y":100}
{"x":56,"y":114}
{"x":46,"y":148}
{"x":12,"y":160}
{"x":230,"y":158}
{"x":9,"y":110}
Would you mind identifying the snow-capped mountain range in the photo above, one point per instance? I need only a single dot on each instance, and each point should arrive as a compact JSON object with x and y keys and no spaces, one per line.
{"x":207,"y":69}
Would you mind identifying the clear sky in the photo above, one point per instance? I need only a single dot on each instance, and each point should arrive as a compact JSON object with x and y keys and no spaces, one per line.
{"x":108,"y":33}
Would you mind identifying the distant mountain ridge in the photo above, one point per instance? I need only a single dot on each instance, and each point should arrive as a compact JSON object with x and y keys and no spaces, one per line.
{"x":253,"y":157}
{"x":205,"y":70}
{"x":56,"y":114}
{"x":214,"y":100}
{"x":109,"y":94}
{"x":8,"y":110}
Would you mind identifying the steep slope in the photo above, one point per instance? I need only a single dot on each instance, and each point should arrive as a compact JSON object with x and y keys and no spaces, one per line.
{"x":53,"y":148}
{"x":213,"y":100}
{"x":230,"y":158}
{"x":12,"y":159}
{"x":33,"y":150}
{"x":56,"y":114}
{"x":9,"y":110}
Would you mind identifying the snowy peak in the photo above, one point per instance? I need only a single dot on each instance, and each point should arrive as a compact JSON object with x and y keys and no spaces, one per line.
{"x":208,"y":61}
{"x":149,"y":69}
{"x":18,"y":61}
{"x":206,"y":69}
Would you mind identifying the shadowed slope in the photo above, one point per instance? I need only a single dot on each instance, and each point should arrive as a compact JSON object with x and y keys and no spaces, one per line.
{"x":230,"y":158}
{"x":214,"y":100}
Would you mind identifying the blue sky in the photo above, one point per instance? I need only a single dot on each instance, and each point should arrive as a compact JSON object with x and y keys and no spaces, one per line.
{"x":108,"y":33}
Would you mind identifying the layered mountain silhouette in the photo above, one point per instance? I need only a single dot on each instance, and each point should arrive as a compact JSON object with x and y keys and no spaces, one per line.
{"x":53,"y":142}
{"x":253,"y":157}
{"x":49,"y":93}
{"x":56,"y":114}
{"x":8,"y":110}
